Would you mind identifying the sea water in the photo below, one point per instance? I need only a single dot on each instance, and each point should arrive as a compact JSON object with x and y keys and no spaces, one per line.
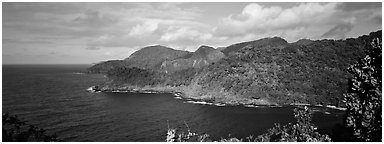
{"x":55,"y":98}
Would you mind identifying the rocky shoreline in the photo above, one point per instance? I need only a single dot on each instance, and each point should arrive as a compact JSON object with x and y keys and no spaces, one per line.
{"x":97,"y":89}
{"x":195,"y":100}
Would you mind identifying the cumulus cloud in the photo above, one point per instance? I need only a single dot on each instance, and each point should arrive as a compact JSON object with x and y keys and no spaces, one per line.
{"x":185,"y":38}
{"x":144,"y":29}
{"x":259,"y":19}
{"x":97,"y":28}
{"x":174,"y":34}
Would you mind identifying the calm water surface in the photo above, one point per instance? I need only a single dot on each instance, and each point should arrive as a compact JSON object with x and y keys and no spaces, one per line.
{"x":54,"y":97}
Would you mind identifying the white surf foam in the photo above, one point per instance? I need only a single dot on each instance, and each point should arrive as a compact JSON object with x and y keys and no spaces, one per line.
{"x":220,"y":104}
{"x":199,"y":102}
{"x":251,"y":106}
{"x":334,"y":107}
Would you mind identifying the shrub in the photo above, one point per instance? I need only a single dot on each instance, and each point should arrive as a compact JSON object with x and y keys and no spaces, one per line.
{"x":302,"y":131}
{"x":15,"y":130}
{"x":363,"y":100}
{"x":176,"y":136}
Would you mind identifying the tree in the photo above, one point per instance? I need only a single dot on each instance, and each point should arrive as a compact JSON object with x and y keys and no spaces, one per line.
{"x":303,"y":131}
{"x":363,"y":99}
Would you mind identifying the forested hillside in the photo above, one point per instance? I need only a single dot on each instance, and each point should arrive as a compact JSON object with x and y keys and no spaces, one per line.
{"x":145,"y":58}
{"x":203,"y":56}
{"x":104,"y":67}
{"x":269,"y":70}
{"x":287,"y":73}
{"x":149,"y":57}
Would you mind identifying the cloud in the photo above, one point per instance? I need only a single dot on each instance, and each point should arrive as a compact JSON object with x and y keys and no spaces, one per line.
{"x":187,"y":38}
{"x":144,"y":29}
{"x":175,"y":34}
{"x":356,"y":6}
{"x":97,"y":28}
{"x":25,"y":41}
{"x":92,"y":48}
{"x":165,"y":11}
{"x":58,"y":26}
{"x":26,"y":10}
{"x":339,"y":31}
{"x":377,"y":19}
{"x":106,"y":25}
{"x":149,"y":31}
{"x":260,"y":19}
{"x":94,"y":18}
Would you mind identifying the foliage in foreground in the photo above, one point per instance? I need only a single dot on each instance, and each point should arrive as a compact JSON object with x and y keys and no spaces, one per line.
{"x":15,"y":130}
{"x":363,"y":100}
{"x":302,"y":131}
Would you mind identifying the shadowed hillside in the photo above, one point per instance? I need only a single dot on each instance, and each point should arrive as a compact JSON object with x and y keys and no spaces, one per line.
{"x":104,"y":67}
{"x":149,"y":57}
{"x":201,"y":57}
{"x":145,"y":58}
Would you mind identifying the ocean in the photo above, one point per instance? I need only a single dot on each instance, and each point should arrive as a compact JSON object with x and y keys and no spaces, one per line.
{"x":55,"y":98}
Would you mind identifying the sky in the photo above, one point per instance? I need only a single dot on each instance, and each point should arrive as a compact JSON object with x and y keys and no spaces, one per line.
{"x":85,"y":33}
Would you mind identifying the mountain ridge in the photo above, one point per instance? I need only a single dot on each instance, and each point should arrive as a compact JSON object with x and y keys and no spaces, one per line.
{"x":203,"y":56}
{"x":264,"y":71}
{"x":145,"y":58}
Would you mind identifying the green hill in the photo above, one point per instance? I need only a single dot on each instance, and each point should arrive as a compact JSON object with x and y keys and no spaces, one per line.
{"x":275,"y":41}
{"x":105,"y":66}
{"x":145,"y":58}
{"x":149,"y":57}
{"x":265,"y":71}
{"x":203,"y":56}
